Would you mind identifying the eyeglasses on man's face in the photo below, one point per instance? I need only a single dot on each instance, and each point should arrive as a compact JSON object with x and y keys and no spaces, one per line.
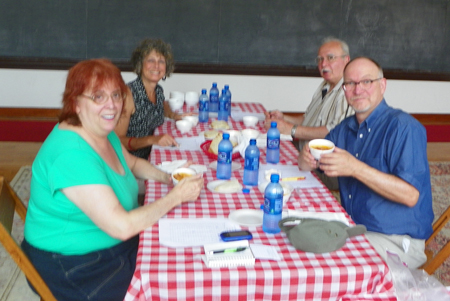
{"x":329,"y":58}
{"x":364,"y":84}
{"x":102,"y":97}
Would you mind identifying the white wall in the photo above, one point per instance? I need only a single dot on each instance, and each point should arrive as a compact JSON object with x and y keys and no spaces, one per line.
{"x":44,"y":88}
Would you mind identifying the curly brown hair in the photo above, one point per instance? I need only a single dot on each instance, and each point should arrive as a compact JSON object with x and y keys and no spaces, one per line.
{"x":88,"y":74}
{"x":144,"y":49}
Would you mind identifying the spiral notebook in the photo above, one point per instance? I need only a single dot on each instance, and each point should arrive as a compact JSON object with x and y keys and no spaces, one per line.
{"x":228,"y":254}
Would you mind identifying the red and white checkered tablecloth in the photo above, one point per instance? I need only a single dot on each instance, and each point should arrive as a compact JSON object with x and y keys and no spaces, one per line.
{"x":355,"y":272}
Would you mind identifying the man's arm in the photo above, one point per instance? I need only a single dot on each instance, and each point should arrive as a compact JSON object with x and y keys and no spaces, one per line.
{"x":342,"y":163}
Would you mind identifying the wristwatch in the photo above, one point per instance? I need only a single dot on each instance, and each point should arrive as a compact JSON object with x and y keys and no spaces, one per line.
{"x":294,"y":128}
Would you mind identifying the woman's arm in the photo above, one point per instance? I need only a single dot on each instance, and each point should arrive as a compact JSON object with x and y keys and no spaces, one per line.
{"x":101,"y":205}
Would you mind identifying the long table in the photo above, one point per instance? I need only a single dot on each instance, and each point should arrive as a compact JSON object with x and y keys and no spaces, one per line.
{"x":355,"y":272}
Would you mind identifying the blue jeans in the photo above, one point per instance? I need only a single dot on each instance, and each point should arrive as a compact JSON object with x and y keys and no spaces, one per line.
{"x":100,"y":275}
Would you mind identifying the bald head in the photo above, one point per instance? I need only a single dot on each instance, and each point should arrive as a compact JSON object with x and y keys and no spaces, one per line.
{"x":364,"y":86}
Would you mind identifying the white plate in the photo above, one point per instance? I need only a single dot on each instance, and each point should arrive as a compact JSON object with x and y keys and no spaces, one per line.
{"x":247,"y":217}
{"x":234,"y":165}
{"x":214,"y":184}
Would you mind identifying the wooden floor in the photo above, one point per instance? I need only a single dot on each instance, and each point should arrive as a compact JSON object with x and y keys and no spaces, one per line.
{"x":13,"y":155}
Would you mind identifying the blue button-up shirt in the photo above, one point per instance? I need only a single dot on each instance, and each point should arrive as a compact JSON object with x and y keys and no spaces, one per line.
{"x":395,"y":143}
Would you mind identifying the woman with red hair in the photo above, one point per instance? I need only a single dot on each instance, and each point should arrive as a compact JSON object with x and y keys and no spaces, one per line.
{"x":83,"y":219}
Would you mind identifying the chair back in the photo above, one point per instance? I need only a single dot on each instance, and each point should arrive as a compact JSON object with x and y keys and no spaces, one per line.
{"x":10,"y":202}
{"x":434,"y":261}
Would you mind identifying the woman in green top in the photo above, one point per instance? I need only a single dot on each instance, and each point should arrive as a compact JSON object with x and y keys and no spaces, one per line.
{"x":83,"y":219}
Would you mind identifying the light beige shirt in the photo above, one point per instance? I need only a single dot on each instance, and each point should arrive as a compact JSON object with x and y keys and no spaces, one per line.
{"x":329,"y":111}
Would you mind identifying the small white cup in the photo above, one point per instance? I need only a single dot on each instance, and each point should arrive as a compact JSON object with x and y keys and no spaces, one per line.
{"x":191,"y":98}
{"x":192,"y":119}
{"x":317,"y":147}
{"x":183,"y":126}
{"x":175,"y":103}
{"x":182,"y":170}
{"x":250,"y":121}
{"x":177,"y":94}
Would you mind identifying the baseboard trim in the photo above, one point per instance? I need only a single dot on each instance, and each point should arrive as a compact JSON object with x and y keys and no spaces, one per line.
{"x":34,"y":124}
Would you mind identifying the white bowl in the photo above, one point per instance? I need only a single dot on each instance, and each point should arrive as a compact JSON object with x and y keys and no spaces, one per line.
{"x":182,"y":170}
{"x":317,"y":147}
{"x":248,"y":134}
{"x":175,"y":103}
{"x":191,"y":98}
{"x":250,"y":121}
{"x":287,"y":190}
{"x":183,"y":126}
{"x":235,"y":136}
{"x":177,"y":94}
{"x":192,"y":119}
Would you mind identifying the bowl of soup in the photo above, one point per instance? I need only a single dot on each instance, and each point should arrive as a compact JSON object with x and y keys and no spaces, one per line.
{"x":318,"y":147}
{"x":181,"y":173}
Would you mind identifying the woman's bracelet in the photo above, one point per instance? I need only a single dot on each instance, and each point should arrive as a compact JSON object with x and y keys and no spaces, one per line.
{"x":129,"y":144}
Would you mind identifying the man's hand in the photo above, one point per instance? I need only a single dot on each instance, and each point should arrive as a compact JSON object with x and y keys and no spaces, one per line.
{"x":305,"y":160}
{"x":339,"y":163}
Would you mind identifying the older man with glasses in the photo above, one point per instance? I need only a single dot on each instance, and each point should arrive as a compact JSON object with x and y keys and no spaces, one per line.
{"x":381,"y":162}
{"x":328,"y":106}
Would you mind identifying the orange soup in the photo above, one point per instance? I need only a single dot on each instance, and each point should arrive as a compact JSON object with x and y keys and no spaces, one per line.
{"x":180,"y":176}
{"x":321,"y":147}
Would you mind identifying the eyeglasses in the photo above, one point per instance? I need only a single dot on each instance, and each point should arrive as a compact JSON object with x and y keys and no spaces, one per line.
{"x":102,"y":97}
{"x":329,"y":58}
{"x":365,"y":84}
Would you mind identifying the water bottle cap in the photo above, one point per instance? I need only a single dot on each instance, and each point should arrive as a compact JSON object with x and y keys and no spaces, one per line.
{"x":227,"y":87}
{"x":224,"y":91}
{"x":214,"y":85}
{"x":273,"y":124}
{"x":252,"y":141}
{"x":246,"y":191}
{"x":203,"y":91}
{"x":274,"y":178}
{"x":226,"y":136}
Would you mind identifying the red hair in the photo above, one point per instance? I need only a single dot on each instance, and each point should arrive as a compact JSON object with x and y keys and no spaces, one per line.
{"x":90,"y":74}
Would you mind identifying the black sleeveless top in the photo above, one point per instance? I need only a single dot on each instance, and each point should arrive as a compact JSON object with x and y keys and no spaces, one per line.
{"x":147,"y":116}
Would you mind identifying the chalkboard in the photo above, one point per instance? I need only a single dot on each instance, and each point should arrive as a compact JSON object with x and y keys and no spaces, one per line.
{"x":410,"y":35}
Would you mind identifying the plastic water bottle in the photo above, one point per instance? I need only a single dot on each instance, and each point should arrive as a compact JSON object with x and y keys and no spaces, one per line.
{"x":251,"y":165}
{"x":227,"y":88}
{"x":273,"y":205}
{"x":223,"y":106}
{"x":224,"y":158}
{"x":214,"y":98}
{"x":203,"y":108}
{"x":273,"y":144}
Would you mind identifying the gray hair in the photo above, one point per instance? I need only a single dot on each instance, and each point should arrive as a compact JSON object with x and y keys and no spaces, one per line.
{"x":344,"y":46}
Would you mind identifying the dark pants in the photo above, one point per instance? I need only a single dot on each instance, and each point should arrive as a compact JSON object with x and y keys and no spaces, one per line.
{"x":100,"y":275}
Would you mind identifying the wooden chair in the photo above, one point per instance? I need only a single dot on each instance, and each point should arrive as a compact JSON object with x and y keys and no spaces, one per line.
{"x":9,"y":202}
{"x":433,"y":262}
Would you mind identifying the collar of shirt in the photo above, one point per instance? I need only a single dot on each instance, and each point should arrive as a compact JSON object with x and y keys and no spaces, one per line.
{"x":372,"y":119}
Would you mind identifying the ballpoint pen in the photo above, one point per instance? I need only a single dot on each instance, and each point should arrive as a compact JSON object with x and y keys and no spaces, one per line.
{"x":293,"y":179}
{"x":231,"y":250}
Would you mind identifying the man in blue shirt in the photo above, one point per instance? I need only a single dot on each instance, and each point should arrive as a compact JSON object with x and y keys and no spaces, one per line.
{"x":381,"y":163}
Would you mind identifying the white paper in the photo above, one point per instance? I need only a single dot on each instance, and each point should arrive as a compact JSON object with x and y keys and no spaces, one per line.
{"x":170,"y":166}
{"x":185,"y":143}
{"x":193,"y":232}
{"x":265,"y":252}
{"x":288,"y":171}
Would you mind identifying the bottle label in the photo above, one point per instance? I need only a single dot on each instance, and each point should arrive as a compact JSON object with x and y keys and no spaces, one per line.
{"x":251,"y":163}
{"x":274,"y":206}
{"x":204,"y":106}
{"x":273,"y":143}
{"x":214,"y":98}
{"x":223,"y":105}
{"x":224,"y":157}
